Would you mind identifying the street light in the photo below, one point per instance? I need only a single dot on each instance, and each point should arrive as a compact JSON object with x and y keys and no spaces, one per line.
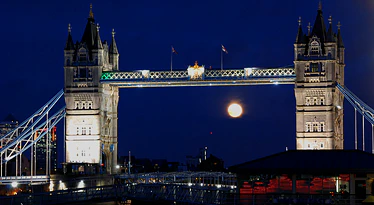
{"x":14,"y":184}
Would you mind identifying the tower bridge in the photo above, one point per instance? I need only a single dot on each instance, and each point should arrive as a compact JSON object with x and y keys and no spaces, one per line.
{"x":92,"y":80}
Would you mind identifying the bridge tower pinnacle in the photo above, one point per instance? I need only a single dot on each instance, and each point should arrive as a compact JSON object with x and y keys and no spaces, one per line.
{"x":91,"y":107}
{"x":319,"y":66}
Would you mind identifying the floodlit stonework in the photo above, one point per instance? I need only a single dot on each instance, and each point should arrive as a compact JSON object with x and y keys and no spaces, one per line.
{"x":319,"y":65}
{"x":91,"y":107}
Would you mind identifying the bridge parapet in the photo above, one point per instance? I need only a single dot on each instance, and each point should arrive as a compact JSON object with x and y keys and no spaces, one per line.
{"x":197,"y":74}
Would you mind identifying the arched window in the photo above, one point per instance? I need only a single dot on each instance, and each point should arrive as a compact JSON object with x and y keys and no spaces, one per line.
{"x":315,"y":46}
{"x":82,"y":54}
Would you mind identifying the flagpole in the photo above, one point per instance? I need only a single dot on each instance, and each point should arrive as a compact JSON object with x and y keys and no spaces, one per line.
{"x":221,"y":59}
{"x":171,"y":61}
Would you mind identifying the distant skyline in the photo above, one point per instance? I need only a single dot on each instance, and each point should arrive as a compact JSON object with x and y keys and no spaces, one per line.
{"x":171,"y":123}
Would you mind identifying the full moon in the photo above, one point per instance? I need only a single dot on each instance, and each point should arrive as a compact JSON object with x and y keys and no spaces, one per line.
{"x":235,"y":110}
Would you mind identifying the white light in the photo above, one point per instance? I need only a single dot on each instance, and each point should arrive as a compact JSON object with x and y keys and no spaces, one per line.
{"x":61,"y":186}
{"x":14,"y":184}
{"x":189,"y":184}
{"x":339,"y":107}
{"x":219,"y":186}
{"x":235,"y":110}
{"x":117,"y":166}
{"x":81,"y":184}
{"x":276,"y":83}
{"x":232,"y":187}
{"x":201,"y":184}
{"x":51,"y":186}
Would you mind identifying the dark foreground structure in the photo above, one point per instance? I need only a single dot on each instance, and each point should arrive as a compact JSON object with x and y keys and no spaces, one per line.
{"x":306,"y":177}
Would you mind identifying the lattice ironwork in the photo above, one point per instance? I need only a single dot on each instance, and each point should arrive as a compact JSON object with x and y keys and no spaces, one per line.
{"x":272,"y":72}
{"x":168,"y":74}
{"x":225,"y":73}
{"x":121,"y":75}
{"x":146,"y":75}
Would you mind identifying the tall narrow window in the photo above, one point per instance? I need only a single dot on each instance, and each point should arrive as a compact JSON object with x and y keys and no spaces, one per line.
{"x":89,"y":131}
{"x":314,"y":67}
{"x":315,"y":126}
{"x":307,"y":101}
{"x":314,"y":101}
{"x":77,"y":132}
{"x":315,"y":48}
{"x":83,"y":130}
{"x":322,"y":100}
{"x":322,"y":126}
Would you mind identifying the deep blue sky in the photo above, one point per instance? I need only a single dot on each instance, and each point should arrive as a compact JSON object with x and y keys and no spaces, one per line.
{"x":173,"y":122}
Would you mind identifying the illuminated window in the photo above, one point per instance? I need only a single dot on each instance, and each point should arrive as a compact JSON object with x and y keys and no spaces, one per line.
{"x":314,"y":67}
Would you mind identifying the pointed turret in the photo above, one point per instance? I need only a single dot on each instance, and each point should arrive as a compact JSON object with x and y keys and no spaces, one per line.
{"x":90,"y":31}
{"x":330,"y":33}
{"x":113,"y":53}
{"x":319,"y":28}
{"x":69,"y":42}
{"x":340,"y":39}
{"x":300,"y":34}
{"x":113,"y":46}
{"x":98,"y":44}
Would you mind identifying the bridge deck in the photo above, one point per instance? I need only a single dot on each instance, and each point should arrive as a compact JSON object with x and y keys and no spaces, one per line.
{"x":231,"y":77}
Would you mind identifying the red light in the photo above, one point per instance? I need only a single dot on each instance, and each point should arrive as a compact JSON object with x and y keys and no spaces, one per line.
{"x":102,"y":164}
{"x":211,"y":133}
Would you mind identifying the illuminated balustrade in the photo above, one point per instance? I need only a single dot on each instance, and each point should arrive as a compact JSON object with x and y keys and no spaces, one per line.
{"x":197,"y":73}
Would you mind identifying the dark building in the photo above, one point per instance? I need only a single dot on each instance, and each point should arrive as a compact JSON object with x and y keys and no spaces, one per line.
{"x":40,"y":152}
{"x":8,"y":124}
{"x":212,"y":164}
{"x":326,"y":175}
{"x":193,"y":162}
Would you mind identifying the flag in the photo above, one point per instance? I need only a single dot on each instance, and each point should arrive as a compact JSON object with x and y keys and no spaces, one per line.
{"x":173,"y":50}
{"x":224,"y":49}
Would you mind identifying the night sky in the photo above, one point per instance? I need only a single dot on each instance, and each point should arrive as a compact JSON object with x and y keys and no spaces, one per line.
{"x":174,"y":122}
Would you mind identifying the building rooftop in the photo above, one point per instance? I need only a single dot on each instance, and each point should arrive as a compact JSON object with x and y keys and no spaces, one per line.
{"x":309,"y":162}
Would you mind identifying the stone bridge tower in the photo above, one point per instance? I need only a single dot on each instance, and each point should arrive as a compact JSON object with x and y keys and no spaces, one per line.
{"x":91,"y":108}
{"x":319,"y":65}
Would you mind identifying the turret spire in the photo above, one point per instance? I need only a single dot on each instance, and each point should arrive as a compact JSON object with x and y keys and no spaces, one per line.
{"x":340,"y":39}
{"x":309,"y":26}
{"x":69,"y":42}
{"x":330,"y":33}
{"x":91,"y":15}
{"x":320,"y":5}
{"x":98,"y":44}
{"x":300,"y":34}
{"x":319,"y":28}
{"x":113,"y":46}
